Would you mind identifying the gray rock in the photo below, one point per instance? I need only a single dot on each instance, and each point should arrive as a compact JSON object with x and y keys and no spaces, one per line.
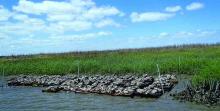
{"x":156,"y":92}
{"x":129,"y":91}
{"x":140,"y":91}
{"x":52,"y":89}
{"x":127,"y":85}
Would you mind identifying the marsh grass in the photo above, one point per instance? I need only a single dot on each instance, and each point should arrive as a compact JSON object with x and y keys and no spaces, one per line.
{"x":202,"y":61}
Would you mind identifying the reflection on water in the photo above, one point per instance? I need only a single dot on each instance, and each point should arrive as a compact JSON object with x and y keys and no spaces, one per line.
{"x":30,"y":98}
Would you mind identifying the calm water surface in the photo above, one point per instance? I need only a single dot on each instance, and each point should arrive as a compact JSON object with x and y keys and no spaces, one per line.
{"x":32,"y":99}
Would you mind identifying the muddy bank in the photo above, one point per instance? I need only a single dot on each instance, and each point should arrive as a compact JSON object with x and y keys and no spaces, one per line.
{"x":205,"y":93}
{"x":144,"y":86}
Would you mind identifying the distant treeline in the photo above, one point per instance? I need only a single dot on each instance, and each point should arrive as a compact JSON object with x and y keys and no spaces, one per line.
{"x":96,"y":52}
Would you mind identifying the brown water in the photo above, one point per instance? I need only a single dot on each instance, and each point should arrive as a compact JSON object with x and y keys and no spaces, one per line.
{"x":32,"y":99}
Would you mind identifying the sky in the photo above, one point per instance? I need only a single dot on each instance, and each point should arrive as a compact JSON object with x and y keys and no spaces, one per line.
{"x":45,"y":26}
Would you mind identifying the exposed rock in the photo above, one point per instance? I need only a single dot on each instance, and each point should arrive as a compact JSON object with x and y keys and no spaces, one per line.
{"x":140,"y":92}
{"x":52,"y":89}
{"x":129,"y":91}
{"x":156,"y":92}
{"x":145,"y":86}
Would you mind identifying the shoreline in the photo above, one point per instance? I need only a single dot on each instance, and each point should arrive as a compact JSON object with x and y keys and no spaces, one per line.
{"x":207,"y":93}
{"x":123,"y":85}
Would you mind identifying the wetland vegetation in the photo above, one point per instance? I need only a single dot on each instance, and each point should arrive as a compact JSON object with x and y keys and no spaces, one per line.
{"x":202,"y":61}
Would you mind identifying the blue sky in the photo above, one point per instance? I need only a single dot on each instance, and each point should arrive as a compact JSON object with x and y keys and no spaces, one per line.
{"x":36,"y":26}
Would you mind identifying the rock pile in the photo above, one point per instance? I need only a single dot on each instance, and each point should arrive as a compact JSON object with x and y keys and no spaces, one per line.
{"x":145,"y":86}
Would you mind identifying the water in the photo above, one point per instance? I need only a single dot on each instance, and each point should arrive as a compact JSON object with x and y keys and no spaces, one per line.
{"x":32,"y":99}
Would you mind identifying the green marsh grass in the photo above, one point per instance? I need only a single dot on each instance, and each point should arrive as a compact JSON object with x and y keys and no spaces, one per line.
{"x":201,"y":61}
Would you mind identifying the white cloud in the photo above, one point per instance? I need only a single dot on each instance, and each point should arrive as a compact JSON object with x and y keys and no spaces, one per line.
{"x":3,"y":36}
{"x":72,"y":26}
{"x":80,"y":37}
{"x":42,"y":23}
{"x":56,"y":40}
{"x":104,"y":33}
{"x":4,"y":14}
{"x":60,"y":17}
{"x":98,"y":13}
{"x":32,"y":41}
{"x":106,"y":22}
{"x":150,"y":16}
{"x":20,"y":17}
{"x":70,"y":15}
{"x":194,"y":6}
{"x":193,"y":34}
{"x":163,"y":34}
{"x":182,"y":35}
{"x":46,"y":7}
{"x":175,"y":38}
{"x":23,"y":27}
{"x":173,"y":8}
